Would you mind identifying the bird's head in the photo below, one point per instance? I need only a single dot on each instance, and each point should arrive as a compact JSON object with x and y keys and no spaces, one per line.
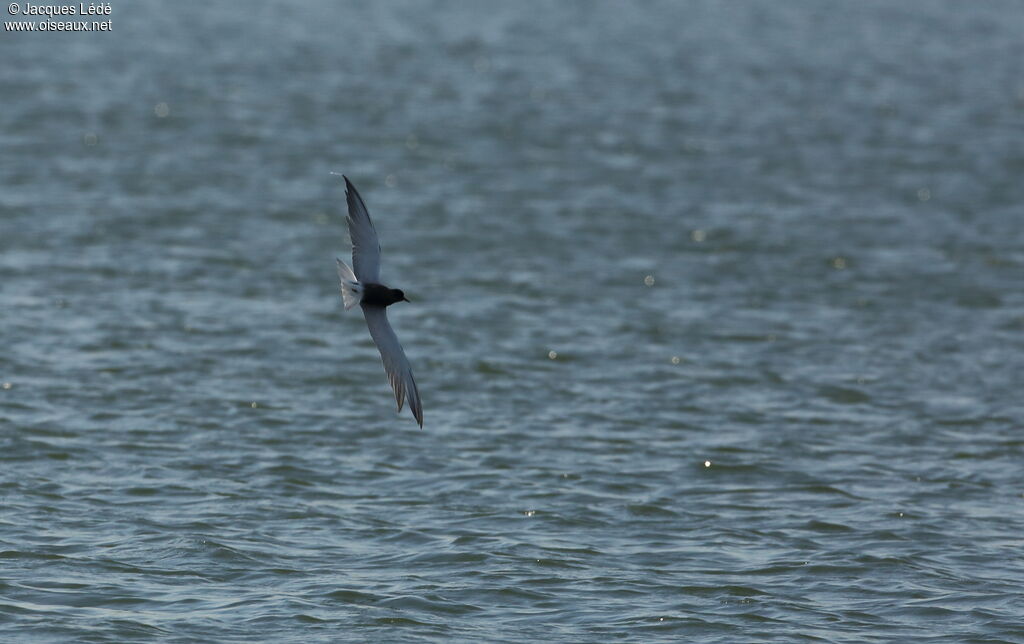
{"x":399,"y":295}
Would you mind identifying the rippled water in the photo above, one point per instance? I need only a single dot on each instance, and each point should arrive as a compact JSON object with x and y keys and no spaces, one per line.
{"x":717,"y":319}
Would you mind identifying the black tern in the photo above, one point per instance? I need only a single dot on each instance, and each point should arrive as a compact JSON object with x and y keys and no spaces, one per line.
{"x":363,"y":287}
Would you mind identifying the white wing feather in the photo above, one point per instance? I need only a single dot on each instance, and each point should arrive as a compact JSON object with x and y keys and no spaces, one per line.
{"x":395,"y":363}
{"x":351,"y":289}
{"x":365,"y":245}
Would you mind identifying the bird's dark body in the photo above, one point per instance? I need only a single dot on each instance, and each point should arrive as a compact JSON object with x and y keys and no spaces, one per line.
{"x":380,"y":295}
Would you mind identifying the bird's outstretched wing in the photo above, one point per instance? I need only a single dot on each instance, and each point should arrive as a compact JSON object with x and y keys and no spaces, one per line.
{"x":395,"y":363}
{"x":365,"y":245}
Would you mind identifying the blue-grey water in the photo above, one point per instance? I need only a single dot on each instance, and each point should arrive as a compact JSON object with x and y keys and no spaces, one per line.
{"x":718,"y":321}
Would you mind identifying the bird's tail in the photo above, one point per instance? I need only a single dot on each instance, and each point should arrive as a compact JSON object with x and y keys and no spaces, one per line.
{"x":351,"y":289}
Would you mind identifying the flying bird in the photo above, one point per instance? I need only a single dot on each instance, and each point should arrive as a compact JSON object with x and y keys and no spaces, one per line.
{"x":363,"y":287}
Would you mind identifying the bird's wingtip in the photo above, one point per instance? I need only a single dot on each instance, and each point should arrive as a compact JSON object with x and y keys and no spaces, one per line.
{"x":348,"y":184}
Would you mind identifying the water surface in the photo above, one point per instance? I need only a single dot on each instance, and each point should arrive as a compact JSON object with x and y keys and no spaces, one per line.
{"x":717,"y":321}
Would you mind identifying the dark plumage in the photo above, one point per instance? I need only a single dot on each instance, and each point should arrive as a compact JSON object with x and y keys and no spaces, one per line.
{"x":380,"y":295}
{"x":362,"y":286}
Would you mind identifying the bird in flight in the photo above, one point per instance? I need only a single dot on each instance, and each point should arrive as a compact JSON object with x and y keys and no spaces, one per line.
{"x":363,"y":287}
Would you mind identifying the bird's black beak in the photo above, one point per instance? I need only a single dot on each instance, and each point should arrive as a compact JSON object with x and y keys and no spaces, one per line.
{"x":405,"y":299}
